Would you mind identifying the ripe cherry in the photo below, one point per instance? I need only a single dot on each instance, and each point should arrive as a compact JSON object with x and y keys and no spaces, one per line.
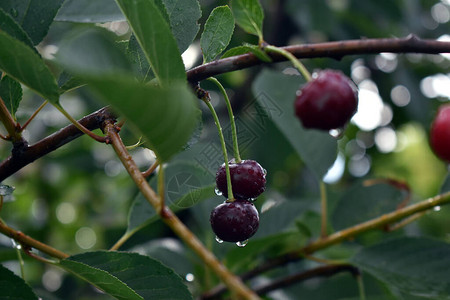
{"x":327,"y":102}
{"x":248,"y":179}
{"x":234,"y":221}
{"x":440,"y":133}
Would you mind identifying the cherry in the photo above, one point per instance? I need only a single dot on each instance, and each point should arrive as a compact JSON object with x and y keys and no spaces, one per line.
{"x":440,"y":133}
{"x":327,"y":102}
{"x":248,"y":179}
{"x":234,"y":221}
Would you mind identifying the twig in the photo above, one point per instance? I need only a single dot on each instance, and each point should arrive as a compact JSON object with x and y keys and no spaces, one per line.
{"x":410,"y":44}
{"x":168,"y":217}
{"x":151,"y":169}
{"x":322,"y":271}
{"x":28,"y":154}
{"x":9,"y":123}
{"x":27,"y":241}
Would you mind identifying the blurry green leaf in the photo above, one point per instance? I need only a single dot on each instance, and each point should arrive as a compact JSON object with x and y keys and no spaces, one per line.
{"x":217,"y":33}
{"x":14,"y":287}
{"x":361,"y":203}
{"x":88,"y":11}
{"x":11,"y":93}
{"x":416,"y":266}
{"x":183,"y":17}
{"x":155,"y":37}
{"x":137,"y":57}
{"x":186,"y":185}
{"x":275,"y":93}
{"x":166,"y":117}
{"x":446,"y":185}
{"x":246,"y":49}
{"x":249,"y":15}
{"x":34,"y":16}
{"x":127,"y":275}
{"x":10,"y":26}
{"x":92,"y":51}
{"x":23,"y":64}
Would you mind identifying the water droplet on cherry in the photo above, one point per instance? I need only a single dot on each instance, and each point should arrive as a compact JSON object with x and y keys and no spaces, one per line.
{"x":218,"y":192}
{"x":219,"y":240}
{"x":242,"y":243}
{"x":336,"y":133}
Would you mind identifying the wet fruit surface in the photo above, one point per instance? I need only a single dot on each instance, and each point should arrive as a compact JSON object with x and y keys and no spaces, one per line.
{"x":248,"y":179}
{"x":234,"y":221}
{"x":327,"y":102}
{"x":440,"y":133}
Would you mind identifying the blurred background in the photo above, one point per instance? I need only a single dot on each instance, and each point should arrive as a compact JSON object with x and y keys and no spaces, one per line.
{"x":78,"y":198}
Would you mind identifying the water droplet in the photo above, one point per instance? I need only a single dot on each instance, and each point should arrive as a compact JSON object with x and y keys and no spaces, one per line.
{"x":264,"y":172}
{"x":242,"y":243}
{"x":336,"y":133}
{"x":437,"y":208}
{"x":251,"y":199}
{"x":14,"y":12}
{"x":16,"y":245}
{"x":220,"y":241}
{"x":218,"y":192}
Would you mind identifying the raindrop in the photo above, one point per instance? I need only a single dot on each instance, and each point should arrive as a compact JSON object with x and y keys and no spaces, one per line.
{"x":218,"y":192}
{"x":220,"y":241}
{"x":336,"y":133}
{"x":264,"y":172}
{"x":437,"y":208}
{"x":16,"y":245}
{"x":242,"y":243}
{"x":251,"y":199}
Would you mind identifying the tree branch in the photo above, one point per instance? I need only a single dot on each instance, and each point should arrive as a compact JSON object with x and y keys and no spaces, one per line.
{"x":337,"y":50}
{"x":28,"y":154}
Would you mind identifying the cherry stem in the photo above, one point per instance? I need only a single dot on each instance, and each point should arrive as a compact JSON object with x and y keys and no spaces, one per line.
{"x":19,"y":258}
{"x":292,"y":58}
{"x":324,"y":210}
{"x":22,"y":128}
{"x":80,"y":127}
{"x":207,"y":101}
{"x":237,"y":156}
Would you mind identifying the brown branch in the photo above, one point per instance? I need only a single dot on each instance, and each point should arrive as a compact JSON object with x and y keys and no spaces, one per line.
{"x":337,"y":50}
{"x":322,"y":271}
{"x":28,"y":154}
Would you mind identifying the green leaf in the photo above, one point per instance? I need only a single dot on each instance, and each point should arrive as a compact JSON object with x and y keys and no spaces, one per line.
{"x":249,"y":16}
{"x":183,"y":17}
{"x":67,"y":82}
{"x":92,"y":51}
{"x":127,"y":275}
{"x":10,"y":26}
{"x":137,"y":57}
{"x":416,"y":266}
{"x":186,"y":185}
{"x":34,"y":16}
{"x":155,"y":37}
{"x":88,"y":11}
{"x":13,"y":287}
{"x":275,"y":93}
{"x":23,"y":64}
{"x":361,"y":203}
{"x":11,"y":93}
{"x":166,"y":117}
{"x":217,"y":33}
{"x":246,"y":49}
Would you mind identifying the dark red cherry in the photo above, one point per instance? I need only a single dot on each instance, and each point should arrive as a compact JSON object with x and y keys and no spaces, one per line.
{"x":327,"y":102}
{"x":234,"y":221}
{"x":248,"y":179}
{"x":440,"y":133}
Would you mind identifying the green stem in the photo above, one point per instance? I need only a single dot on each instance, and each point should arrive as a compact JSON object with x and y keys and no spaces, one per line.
{"x":237,"y":156}
{"x":324,"y":209}
{"x":18,"y":248}
{"x":77,"y":124}
{"x":292,"y":58}
{"x":161,"y":190}
{"x":224,"y":148}
{"x":362,"y":293}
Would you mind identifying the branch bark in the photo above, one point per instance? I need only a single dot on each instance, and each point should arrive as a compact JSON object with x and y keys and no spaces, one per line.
{"x":28,"y":154}
{"x":336,"y":50}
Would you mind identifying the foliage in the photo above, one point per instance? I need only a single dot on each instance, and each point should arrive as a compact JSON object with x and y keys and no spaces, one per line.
{"x":79,"y":199}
